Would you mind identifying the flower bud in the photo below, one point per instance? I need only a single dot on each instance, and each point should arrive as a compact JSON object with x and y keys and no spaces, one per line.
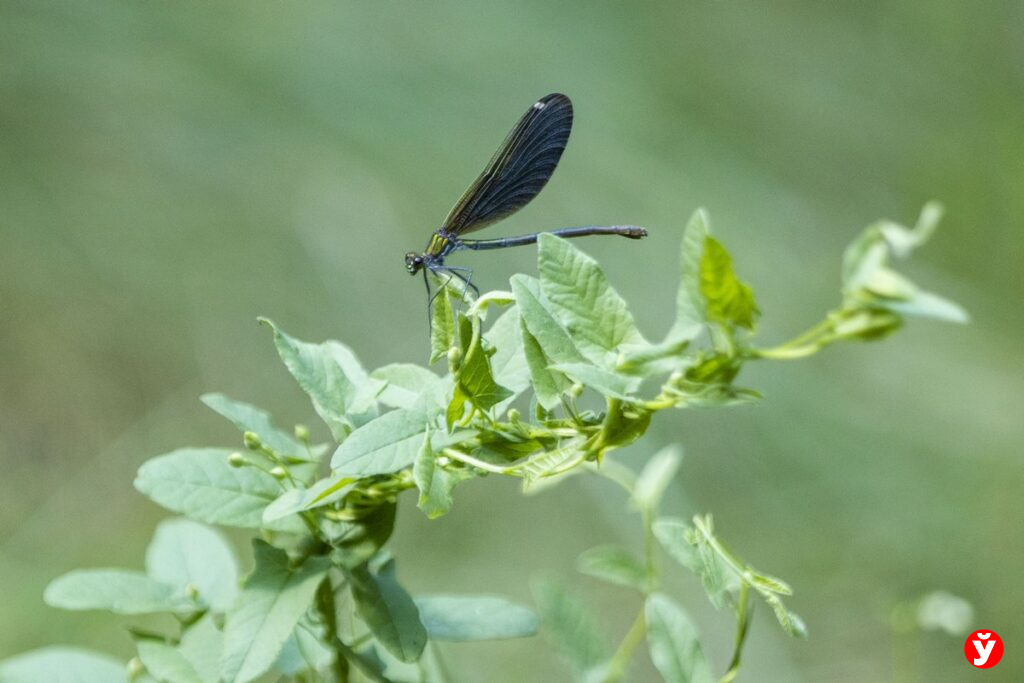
{"x":252,"y":441}
{"x":192,"y":592}
{"x":279,"y":472}
{"x":135,"y":668}
{"x":236,"y":459}
{"x":454,"y":357}
{"x":302,"y":433}
{"x":576,"y":389}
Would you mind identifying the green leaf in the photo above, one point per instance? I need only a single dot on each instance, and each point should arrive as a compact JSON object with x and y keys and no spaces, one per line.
{"x":342,"y":393}
{"x":389,"y":611}
{"x":464,"y":618}
{"x":249,"y":418}
{"x":202,"y":644}
{"x":613,"y":564}
{"x":165,"y":663}
{"x":389,"y":443}
{"x":673,"y":642}
{"x":405,"y":383}
{"x":474,"y":376}
{"x":723,"y":573}
{"x":593,"y":313}
{"x":272,"y":600}
{"x":508,"y":364}
{"x":367,"y":661}
{"x":868,"y":280}
{"x":647,"y":360}
{"x":675,"y":536}
{"x":435,"y":482}
{"x":552,"y":463}
{"x":304,"y":651}
{"x":356,"y":542}
{"x":547,"y":384}
{"x":185,"y":553}
{"x":120,"y":591}
{"x":655,"y":477}
{"x":199,"y":483}
{"x":691,"y":309}
{"x":62,"y":665}
{"x":605,"y":382}
{"x":728,"y":300}
{"x":442,"y":326}
{"x":570,"y":628}
{"x":537,"y":314}
{"x":324,"y":492}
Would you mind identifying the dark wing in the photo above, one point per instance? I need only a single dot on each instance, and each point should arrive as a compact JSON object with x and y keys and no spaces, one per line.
{"x":519,"y":169}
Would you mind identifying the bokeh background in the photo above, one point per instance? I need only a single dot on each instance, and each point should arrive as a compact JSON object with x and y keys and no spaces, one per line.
{"x":169,"y":171}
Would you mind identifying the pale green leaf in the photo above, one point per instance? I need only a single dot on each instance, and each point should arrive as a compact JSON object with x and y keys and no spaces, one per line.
{"x":570,"y":628}
{"x":186,"y":553}
{"x":199,"y":483}
{"x":508,"y":362}
{"x":593,"y":313}
{"x":613,"y":564}
{"x":389,"y":611}
{"x":249,"y":418}
{"x":675,"y":536}
{"x":63,"y":665}
{"x":304,"y":651}
{"x":655,"y":477}
{"x":690,"y":306}
{"x":165,"y":663}
{"x":547,"y":384}
{"x":647,"y":360}
{"x":202,"y":644}
{"x":405,"y":384}
{"x":323,"y":492}
{"x":272,"y":600}
{"x":673,"y":642}
{"x":342,"y":393}
{"x":436,"y":482}
{"x":475,"y":617}
{"x":121,"y":591}
{"x":552,"y":463}
{"x":389,"y":443}
{"x":537,"y":315}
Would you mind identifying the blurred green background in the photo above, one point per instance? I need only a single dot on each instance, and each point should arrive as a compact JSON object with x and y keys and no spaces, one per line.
{"x":169,"y":171}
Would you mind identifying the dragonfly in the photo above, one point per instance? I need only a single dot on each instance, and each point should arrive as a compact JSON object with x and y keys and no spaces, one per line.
{"x":516,"y":174}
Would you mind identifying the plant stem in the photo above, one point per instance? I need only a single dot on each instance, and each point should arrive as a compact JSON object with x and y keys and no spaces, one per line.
{"x":620,"y":660}
{"x":486,"y":466}
{"x":744,"y":612}
{"x":325,"y":605}
{"x":801,"y":346}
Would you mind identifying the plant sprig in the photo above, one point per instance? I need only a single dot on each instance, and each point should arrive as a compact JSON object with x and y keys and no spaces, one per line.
{"x":559,"y":379}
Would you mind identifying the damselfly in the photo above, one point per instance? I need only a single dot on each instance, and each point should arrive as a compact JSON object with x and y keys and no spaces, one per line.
{"x":515,"y":175}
